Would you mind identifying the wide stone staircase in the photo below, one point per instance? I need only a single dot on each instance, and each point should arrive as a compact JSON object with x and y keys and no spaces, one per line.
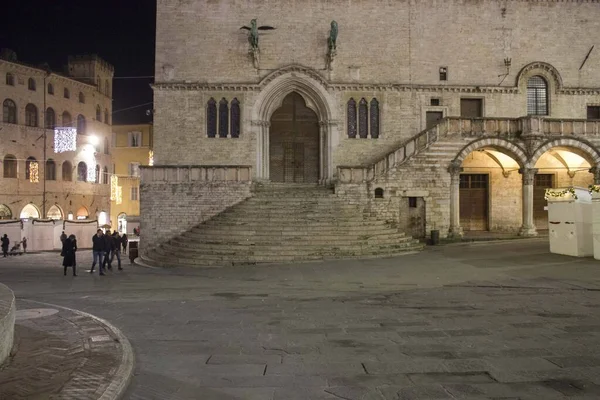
{"x":284,"y":223}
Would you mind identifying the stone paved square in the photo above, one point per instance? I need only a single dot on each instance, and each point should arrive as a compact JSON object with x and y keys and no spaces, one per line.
{"x":469,"y":321}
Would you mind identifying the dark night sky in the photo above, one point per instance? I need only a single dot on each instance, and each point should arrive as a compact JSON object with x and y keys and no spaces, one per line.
{"x":120,"y":31}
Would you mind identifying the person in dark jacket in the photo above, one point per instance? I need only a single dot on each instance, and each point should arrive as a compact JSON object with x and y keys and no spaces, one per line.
{"x":98,"y":250}
{"x":24,"y":245}
{"x":109,"y":243}
{"x":69,"y":259}
{"x":117,"y":250}
{"x":5,"y":243}
{"x":63,"y":237}
{"x":124,"y":241}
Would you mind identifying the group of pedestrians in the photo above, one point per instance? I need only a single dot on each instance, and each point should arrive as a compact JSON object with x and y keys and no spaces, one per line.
{"x":5,"y":241}
{"x":105,"y":247}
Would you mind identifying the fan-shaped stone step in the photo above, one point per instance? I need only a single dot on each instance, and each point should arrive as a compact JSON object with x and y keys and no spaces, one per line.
{"x":284,"y":223}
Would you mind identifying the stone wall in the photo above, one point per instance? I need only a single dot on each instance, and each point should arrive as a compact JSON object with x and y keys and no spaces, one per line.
{"x":7,"y":322}
{"x":379,"y":41}
{"x":386,"y":50}
{"x":175,"y":199}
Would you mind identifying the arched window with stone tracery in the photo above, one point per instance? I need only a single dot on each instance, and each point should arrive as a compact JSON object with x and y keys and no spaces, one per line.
{"x":223,"y":118}
{"x":235,"y":118}
{"x":363,"y":116}
{"x":211,"y":118}
{"x":537,"y":96}
{"x":351,"y":115}
{"x":374,"y":118}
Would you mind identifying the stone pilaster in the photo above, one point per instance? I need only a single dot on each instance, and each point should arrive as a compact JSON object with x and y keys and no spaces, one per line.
{"x":262,"y":149}
{"x":455,"y":229}
{"x":528,"y":227}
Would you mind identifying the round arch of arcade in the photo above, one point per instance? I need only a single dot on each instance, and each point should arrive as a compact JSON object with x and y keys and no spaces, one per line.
{"x":509,"y":148}
{"x":577,"y":146}
{"x":486,"y":190}
{"x":312,"y":88}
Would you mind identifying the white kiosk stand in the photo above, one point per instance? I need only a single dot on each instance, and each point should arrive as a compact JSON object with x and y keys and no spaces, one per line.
{"x":596,"y":223}
{"x":570,"y":221}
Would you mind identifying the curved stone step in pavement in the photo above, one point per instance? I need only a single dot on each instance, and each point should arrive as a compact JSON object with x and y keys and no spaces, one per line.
{"x":62,"y":353}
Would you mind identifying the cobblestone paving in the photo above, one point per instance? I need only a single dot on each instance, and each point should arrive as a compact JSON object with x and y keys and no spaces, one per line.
{"x":479,"y":321}
{"x":62,"y":354}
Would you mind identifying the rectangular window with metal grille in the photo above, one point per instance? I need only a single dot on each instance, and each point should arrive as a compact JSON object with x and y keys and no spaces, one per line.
{"x":473,"y":181}
{"x":537,"y":96}
{"x":544,"y":180}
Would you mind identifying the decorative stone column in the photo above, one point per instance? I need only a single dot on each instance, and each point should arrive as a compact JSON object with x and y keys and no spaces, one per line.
{"x":327,"y":130}
{"x":455,"y":229}
{"x":262,"y":149}
{"x":323,"y":152}
{"x":596,"y":171}
{"x":528,"y":227}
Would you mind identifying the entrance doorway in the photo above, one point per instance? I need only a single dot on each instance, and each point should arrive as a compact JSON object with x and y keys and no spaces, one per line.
{"x":294,"y":142}
{"x":474,"y":202}
{"x":416,"y":217}
{"x":540,"y":184}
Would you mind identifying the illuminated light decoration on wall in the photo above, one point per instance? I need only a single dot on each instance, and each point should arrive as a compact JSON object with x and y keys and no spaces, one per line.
{"x":114,"y":181}
{"x":119,"y":194}
{"x":151,"y":158}
{"x":91,"y":174}
{"x":34,"y":172}
{"x":65,"y":139}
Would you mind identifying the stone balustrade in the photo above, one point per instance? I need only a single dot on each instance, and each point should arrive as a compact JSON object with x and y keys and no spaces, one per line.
{"x":195,"y":173}
{"x":506,"y":128}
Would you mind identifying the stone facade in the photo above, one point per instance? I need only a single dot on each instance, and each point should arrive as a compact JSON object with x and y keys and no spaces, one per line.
{"x":131,"y":147}
{"x":413,"y":63}
{"x":56,"y":98}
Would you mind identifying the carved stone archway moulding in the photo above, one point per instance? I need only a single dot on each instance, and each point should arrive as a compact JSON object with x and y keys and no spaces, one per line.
{"x":509,"y":148}
{"x":543,"y":69}
{"x":313,"y":89}
{"x":550,"y":71}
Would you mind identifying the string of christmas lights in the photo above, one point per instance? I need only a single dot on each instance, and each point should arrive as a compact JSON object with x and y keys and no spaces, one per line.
{"x":114,"y":182}
{"x":65,"y":139}
{"x":119,"y":194}
{"x":34,"y":172}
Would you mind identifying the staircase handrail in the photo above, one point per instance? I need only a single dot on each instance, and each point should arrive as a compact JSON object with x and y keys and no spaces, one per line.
{"x":407,"y":149}
{"x":423,"y":139}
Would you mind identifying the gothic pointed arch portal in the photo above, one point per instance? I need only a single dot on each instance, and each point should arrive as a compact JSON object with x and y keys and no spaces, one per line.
{"x":294,"y":142}
{"x":305,"y":91}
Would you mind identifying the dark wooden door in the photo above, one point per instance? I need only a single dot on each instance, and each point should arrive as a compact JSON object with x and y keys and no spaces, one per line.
{"x":540,"y":184}
{"x":432,"y":118}
{"x":293,"y":162}
{"x":294,"y":142}
{"x":471,"y":108}
{"x":474,"y":202}
{"x":416,"y":217}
